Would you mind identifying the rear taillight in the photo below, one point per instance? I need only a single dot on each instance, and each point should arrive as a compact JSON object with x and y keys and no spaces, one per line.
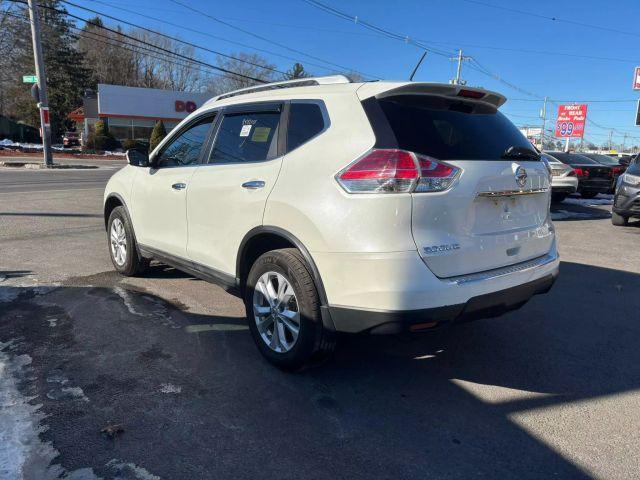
{"x":581,"y":172}
{"x":396,"y":171}
{"x":571,"y":173}
{"x":470,"y":93}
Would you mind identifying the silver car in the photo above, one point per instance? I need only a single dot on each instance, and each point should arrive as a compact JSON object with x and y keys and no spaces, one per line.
{"x":564,"y":180}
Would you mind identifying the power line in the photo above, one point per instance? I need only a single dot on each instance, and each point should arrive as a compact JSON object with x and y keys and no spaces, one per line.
{"x":216,"y":37}
{"x":554,"y":19}
{"x":94,"y":36}
{"x":64,"y":12}
{"x":370,"y":26}
{"x":131,"y":24}
{"x":264,"y":39}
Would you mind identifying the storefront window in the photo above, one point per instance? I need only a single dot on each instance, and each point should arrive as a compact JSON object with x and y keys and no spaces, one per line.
{"x":120,"y":128}
{"x":142,"y":129}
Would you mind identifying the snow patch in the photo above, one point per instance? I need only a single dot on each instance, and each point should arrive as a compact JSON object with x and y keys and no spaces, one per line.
{"x":128,"y":301}
{"x":170,"y":388}
{"x":53,"y":322}
{"x":130,"y":471}
{"x":67,"y":393}
{"x":22,"y":453}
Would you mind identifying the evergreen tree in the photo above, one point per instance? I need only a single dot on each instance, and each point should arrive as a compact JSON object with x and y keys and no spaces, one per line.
{"x":66,"y":76}
{"x":297,"y":71}
{"x":157,"y":134}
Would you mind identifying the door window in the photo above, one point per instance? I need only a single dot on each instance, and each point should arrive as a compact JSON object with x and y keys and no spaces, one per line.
{"x":184,"y":150}
{"x":246,"y":137}
{"x":305,"y":122}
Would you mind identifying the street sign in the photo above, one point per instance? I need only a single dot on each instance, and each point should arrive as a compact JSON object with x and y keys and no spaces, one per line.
{"x":29,"y":79}
{"x":571,"y":120}
{"x":45,"y":116}
{"x":636,"y":79}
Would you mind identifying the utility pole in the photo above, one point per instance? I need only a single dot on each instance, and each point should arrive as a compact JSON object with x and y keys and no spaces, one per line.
{"x":460,"y":58}
{"x":543,"y":114}
{"x":624,"y":141}
{"x":43,"y":103}
{"x":610,"y":139}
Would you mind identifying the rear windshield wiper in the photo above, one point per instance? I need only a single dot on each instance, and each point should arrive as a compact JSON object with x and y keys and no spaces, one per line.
{"x":520,"y":152}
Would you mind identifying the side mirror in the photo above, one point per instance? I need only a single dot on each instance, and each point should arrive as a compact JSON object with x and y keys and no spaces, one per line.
{"x":137,"y":159}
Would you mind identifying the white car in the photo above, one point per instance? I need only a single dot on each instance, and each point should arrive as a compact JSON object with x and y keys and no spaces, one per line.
{"x":564,"y":180}
{"x":331,"y":206}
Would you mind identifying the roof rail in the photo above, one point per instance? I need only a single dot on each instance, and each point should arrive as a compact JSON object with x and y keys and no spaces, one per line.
{"x":298,"y":82}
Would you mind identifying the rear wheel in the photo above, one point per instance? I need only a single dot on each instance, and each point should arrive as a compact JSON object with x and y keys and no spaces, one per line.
{"x":122,"y":244}
{"x":588,"y":195}
{"x":558,"y":197}
{"x":283,"y":310}
{"x":619,"y":220}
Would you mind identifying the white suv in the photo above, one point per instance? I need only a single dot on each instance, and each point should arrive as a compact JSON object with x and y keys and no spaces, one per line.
{"x":331,"y":206}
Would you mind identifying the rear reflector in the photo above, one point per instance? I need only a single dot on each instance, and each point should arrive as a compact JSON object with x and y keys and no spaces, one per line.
{"x":471,"y":93}
{"x":396,"y":171}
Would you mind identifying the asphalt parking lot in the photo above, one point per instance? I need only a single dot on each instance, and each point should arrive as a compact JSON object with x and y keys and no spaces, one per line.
{"x":166,"y":365}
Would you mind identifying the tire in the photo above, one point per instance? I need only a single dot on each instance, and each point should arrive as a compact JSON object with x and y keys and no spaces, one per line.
{"x":129,"y":263}
{"x":588,"y":195}
{"x":558,"y":197}
{"x":619,"y":220}
{"x":312,"y":343}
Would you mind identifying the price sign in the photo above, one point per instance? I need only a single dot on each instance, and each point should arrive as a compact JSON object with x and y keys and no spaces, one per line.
{"x":571,"y":121}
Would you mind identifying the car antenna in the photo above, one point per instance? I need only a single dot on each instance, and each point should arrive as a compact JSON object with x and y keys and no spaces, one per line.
{"x":418,"y":65}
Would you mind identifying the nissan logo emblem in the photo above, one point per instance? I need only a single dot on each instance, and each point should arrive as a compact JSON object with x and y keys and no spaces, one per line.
{"x":521,"y":176}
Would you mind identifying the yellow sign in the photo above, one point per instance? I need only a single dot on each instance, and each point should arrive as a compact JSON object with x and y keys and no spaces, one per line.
{"x":260,"y":134}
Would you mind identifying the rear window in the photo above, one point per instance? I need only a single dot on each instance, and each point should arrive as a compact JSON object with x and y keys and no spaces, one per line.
{"x":602,"y":159}
{"x":448,"y":129}
{"x":305,"y":122}
{"x":573,"y":158}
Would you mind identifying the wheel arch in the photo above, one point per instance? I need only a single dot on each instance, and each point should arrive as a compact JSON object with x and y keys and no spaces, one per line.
{"x":112,"y":201}
{"x":264,"y":238}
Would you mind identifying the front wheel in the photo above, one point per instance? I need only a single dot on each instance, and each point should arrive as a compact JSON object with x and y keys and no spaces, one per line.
{"x":619,"y":220}
{"x":122,"y":244}
{"x":283,"y":311}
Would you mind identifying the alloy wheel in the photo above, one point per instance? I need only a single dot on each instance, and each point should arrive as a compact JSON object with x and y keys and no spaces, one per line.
{"x":118,"y":240}
{"x":276,"y":312}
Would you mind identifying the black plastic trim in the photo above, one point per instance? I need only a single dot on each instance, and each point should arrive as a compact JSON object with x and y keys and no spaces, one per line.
{"x":483,"y":306}
{"x":226,"y":281}
{"x":324,"y":304}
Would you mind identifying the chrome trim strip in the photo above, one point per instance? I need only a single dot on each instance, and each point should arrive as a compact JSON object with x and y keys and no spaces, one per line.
{"x":512,"y":193}
{"x":501,"y":272}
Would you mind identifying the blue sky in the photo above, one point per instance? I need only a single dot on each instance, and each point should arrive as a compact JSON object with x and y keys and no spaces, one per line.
{"x":499,"y":39}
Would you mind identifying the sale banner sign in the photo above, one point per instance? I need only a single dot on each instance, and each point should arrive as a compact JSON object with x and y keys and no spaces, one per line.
{"x":571,"y":120}
{"x":636,"y":79}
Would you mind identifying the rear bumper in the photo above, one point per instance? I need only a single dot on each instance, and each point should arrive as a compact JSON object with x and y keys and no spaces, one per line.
{"x":395,"y":291}
{"x":564,"y":184}
{"x":599,"y":186}
{"x":482,"y":306}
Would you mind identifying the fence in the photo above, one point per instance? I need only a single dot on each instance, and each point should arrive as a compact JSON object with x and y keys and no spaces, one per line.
{"x":18,"y":132}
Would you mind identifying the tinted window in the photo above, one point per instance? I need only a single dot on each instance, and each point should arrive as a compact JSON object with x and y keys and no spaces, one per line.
{"x":601,"y":159}
{"x":450,"y":129}
{"x":185,"y":149}
{"x":247,"y":137}
{"x":572,"y":158}
{"x":305,"y":122}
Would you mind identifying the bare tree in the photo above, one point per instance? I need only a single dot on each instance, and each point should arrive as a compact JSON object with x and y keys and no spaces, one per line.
{"x":247,"y":64}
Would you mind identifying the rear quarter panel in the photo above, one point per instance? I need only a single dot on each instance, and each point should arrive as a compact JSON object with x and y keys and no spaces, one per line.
{"x":308,"y":202}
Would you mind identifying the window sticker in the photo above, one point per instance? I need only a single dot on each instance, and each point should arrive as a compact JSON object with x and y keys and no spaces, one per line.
{"x":246,"y":129}
{"x":261,"y":134}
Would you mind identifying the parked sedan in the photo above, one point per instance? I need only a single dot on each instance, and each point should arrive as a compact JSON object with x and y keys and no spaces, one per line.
{"x":626,"y":203}
{"x":564,"y":180}
{"x":593,"y":177}
{"x":616,"y":168}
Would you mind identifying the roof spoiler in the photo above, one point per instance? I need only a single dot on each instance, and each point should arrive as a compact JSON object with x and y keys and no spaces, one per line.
{"x":440,"y":89}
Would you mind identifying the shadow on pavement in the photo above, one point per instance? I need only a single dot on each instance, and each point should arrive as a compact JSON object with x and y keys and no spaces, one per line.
{"x":196,"y":399}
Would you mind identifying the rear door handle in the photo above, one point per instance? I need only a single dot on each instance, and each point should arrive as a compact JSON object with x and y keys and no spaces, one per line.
{"x":179,"y":186}
{"x":253,"y":184}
